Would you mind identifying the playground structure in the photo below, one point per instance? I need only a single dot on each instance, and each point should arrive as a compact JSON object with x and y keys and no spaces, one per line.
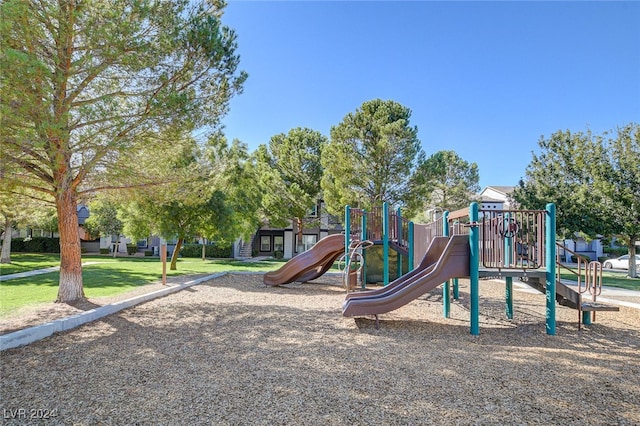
{"x":501,"y":244}
{"x":468,"y":243}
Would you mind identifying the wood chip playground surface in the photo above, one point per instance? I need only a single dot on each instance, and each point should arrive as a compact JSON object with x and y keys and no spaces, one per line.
{"x":231,"y":351}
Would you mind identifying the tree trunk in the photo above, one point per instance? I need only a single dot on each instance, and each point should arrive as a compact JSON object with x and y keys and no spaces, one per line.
{"x":300,"y":230}
{"x":633,"y":265}
{"x":174,"y":256}
{"x":5,"y":257}
{"x":70,"y":288}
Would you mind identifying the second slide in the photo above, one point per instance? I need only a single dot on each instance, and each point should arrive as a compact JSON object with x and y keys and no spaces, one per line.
{"x":308,"y":265}
{"x":452,"y":262}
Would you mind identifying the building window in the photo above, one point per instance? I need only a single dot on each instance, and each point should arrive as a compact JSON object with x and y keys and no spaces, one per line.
{"x":278,"y":243}
{"x":308,"y":241}
{"x":313,"y":212}
{"x":265,"y":243}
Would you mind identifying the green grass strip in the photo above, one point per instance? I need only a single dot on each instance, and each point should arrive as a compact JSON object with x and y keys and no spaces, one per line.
{"x":107,"y":276}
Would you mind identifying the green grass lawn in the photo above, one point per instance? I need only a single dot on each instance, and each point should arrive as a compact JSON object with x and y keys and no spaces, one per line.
{"x":23,"y":262}
{"x":611,"y":279}
{"x":108,"y":276}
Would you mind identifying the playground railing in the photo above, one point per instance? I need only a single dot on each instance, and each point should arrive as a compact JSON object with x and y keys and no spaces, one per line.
{"x":512,"y":239}
{"x":374,"y":224}
{"x":509,"y":239}
{"x":355,"y":221}
{"x":587,"y":273}
{"x":399,"y":230}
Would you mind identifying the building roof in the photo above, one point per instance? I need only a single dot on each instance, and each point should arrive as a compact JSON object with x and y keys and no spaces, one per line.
{"x":503,"y":189}
{"x":490,"y":200}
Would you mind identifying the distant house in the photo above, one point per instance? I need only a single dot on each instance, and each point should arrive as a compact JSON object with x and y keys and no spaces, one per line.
{"x":83,"y":214}
{"x":495,"y":197}
{"x":288,"y":242}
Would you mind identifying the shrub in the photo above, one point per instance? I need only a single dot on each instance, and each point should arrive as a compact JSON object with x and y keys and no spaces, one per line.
{"x":148,"y":252}
{"x":278,"y":254}
{"x":105,"y":250}
{"x":574,"y":259}
{"x":211,"y":250}
{"x":616,"y":251}
{"x":35,"y":245}
{"x":132,"y":249}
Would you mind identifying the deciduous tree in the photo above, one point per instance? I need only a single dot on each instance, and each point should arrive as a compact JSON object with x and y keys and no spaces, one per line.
{"x":290,"y":174}
{"x":594,"y":180}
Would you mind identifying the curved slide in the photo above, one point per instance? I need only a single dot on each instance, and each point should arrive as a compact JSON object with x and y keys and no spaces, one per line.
{"x":308,"y":265}
{"x":452,"y":262}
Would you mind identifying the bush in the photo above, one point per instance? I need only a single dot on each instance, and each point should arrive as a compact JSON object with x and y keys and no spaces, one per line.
{"x":602,"y":259}
{"x":105,"y":250}
{"x":35,"y":245}
{"x":278,"y":254}
{"x":211,"y":250}
{"x":574,"y":259}
{"x":132,"y":249}
{"x":148,"y":252}
{"x":616,"y":251}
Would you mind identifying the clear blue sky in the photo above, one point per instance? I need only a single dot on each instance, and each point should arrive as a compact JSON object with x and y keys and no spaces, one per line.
{"x":485,"y":79}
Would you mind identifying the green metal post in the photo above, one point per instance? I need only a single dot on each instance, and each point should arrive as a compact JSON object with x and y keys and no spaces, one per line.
{"x":474,"y":271}
{"x":508,"y":296}
{"x":385,"y":243}
{"x":363,"y":284}
{"x":446,"y":288}
{"x":508,"y":290}
{"x":399,"y":237}
{"x":550,"y":242}
{"x":456,"y":287}
{"x":411,"y":246}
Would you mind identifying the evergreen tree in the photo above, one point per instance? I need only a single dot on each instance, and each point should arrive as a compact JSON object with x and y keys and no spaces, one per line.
{"x":86,"y":84}
{"x":371,"y":157}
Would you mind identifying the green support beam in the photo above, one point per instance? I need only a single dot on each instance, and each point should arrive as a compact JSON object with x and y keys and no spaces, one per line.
{"x":550,"y":241}
{"x":474,"y":270}
{"x":446,"y":288}
{"x":385,"y":243}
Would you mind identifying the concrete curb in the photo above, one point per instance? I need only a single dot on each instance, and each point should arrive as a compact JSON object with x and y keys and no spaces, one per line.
{"x":39,"y":332}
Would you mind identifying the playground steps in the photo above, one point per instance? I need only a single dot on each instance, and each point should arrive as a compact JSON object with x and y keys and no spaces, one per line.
{"x":567,"y":296}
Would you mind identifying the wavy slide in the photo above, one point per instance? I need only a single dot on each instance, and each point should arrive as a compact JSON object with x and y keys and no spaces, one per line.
{"x":446,"y":258}
{"x":309,"y":265}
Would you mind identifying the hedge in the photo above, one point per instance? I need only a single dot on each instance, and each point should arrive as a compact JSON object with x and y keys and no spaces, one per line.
{"x":35,"y":245}
{"x":616,"y":251}
{"x":574,"y":259}
{"x":211,"y":250}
